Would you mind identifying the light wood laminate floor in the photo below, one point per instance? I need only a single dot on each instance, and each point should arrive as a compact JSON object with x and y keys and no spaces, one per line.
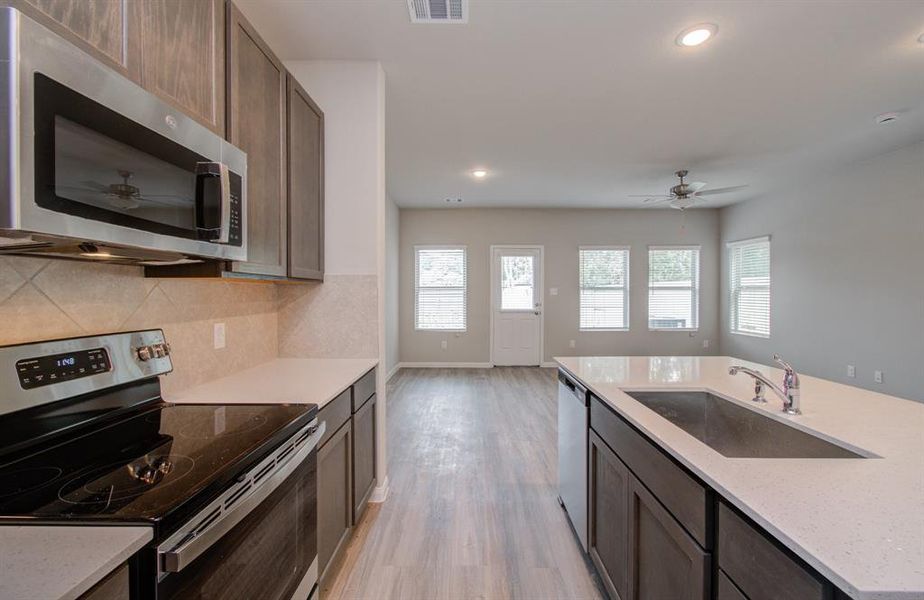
{"x":473,"y":508}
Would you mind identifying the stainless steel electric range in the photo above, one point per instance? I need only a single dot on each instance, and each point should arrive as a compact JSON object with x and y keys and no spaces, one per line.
{"x":230,"y":491}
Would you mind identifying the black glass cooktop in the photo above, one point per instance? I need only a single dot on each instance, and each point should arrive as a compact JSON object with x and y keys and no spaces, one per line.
{"x":157,"y":466}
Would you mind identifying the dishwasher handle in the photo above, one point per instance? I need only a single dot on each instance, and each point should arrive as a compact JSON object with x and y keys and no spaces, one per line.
{"x":574,"y":387}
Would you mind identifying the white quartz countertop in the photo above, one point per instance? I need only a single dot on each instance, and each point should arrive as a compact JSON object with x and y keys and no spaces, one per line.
{"x":281,"y":381}
{"x":62,"y":562}
{"x":859,"y":522}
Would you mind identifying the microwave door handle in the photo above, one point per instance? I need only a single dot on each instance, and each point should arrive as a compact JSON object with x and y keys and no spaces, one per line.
{"x":224,"y":235}
{"x":220,"y":232}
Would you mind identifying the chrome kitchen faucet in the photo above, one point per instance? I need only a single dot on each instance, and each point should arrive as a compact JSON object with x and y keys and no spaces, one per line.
{"x":789,"y":392}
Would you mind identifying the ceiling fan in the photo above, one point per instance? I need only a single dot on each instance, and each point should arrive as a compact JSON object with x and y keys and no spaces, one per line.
{"x":124,"y":195}
{"x":684,"y":195}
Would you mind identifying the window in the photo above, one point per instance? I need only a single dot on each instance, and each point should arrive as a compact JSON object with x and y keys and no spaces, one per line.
{"x":517,"y":283}
{"x":749,"y":287}
{"x":604,"y":279}
{"x":439,"y":288}
{"x":673,"y":287}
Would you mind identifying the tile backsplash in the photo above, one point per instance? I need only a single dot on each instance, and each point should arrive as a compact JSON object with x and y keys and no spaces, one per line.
{"x":46,"y":299}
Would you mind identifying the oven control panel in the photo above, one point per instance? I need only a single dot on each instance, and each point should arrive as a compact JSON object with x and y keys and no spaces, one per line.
{"x":55,"y":368}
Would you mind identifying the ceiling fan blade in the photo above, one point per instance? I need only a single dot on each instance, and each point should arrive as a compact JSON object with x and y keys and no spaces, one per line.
{"x":652,"y":200}
{"x":99,"y":187}
{"x":723,"y":190}
{"x":696,"y":186}
{"x":648,"y":196}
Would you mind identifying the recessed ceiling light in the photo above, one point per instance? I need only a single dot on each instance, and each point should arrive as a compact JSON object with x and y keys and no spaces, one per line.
{"x":479,"y":173}
{"x":696,"y":35}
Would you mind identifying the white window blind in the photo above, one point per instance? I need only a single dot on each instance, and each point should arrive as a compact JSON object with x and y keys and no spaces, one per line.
{"x":673,"y":287}
{"x":439,"y":288}
{"x":749,"y":286}
{"x":604,"y":280}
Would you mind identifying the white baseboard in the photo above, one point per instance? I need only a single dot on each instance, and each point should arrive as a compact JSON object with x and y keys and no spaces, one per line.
{"x":445,"y":365}
{"x":393,"y":372}
{"x":380,"y":493}
{"x":550,"y":363}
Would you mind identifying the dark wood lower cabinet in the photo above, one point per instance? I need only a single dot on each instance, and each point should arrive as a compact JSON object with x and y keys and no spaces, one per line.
{"x":727,"y":590}
{"x":761,"y":569}
{"x":335,"y":508}
{"x":363,"y":457}
{"x":608,"y":496}
{"x":664,"y":561}
{"x":114,"y":587}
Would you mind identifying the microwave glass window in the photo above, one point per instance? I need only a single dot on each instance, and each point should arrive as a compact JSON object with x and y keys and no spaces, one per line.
{"x":98,"y":171}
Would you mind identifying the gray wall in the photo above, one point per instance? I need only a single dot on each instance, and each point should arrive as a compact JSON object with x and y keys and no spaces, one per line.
{"x":561,"y":232}
{"x":847,"y":273}
{"x":392,"y":237}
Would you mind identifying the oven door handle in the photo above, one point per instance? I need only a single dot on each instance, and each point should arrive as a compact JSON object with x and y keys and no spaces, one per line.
{"x":189,"y":547}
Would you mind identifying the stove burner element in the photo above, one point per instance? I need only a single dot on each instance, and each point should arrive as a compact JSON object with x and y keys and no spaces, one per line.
{"x":25,"y":480}
{"x":123,"y":482}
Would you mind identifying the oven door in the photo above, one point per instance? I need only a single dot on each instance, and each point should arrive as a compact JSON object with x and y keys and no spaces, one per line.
{"x":258,"y":540}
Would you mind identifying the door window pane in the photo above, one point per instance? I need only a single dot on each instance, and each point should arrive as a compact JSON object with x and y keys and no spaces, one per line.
{"x":517,"y":283}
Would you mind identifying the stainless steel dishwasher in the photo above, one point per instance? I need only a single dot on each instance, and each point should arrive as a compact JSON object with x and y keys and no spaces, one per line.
{"x":573,"y":416}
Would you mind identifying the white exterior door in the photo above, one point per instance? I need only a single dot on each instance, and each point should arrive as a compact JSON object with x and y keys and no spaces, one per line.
{"x":516,"y":292}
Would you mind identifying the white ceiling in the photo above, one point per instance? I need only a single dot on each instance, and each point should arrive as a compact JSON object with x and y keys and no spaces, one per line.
{"x":579,"y":103}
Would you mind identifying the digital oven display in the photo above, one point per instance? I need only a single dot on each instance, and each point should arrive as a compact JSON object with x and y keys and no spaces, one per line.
{"x":46,"y":370}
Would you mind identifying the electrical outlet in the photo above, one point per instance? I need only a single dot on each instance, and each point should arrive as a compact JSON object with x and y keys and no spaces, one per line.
{"x":218,"y":336}
{"x":877,"y":376}
{"x":571,"y":343}
{"x":851,"y":371}
{"x":444,"y":344}
{"x":705,"y":344}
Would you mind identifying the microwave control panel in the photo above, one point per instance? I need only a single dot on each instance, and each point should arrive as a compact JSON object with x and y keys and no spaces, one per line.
{"x":55,"y":368}
{"x":235,"y":233}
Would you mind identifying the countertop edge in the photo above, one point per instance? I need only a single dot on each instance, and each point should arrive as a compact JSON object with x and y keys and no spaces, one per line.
{"x":89,"y":578}
{"x":838,"y":580}
{"x":107,"y":568}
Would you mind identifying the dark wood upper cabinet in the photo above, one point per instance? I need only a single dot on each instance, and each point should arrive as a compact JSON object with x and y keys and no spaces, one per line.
{"x":664,"y":561}
{"x":608,"y":542}
{"x":256,"y":123}
{"x":306,"y":184}
{"x":106,"y":29}
{"x":183,"y":56}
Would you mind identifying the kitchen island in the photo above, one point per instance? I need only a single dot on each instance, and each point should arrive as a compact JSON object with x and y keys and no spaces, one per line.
{"x":858,"y":522}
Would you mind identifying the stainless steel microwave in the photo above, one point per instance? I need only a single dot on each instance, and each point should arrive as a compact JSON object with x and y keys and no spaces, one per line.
{"x":93,"y":166}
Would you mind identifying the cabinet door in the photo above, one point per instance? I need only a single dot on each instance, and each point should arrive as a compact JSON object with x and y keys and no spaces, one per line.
{"x":306,"y":184}
{"x":363,"y":457}
{"x":608,"y":494}
{"x":334,"y":496}
{"x":106,"y":29}
{"x":664,"y":561}
{"x":183,"y":56}
{"x":257,"y":125}
{"x":114,"y":587}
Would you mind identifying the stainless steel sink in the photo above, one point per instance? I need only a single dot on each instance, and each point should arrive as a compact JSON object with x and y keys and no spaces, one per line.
{"x":735,"y":431}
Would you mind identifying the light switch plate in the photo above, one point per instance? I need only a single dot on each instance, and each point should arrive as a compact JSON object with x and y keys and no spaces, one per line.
{"x":877,"y":376}
{"x":553,"y":291}
{"x":444,"y":344}
{"x":218,"y":336}
{"x":851,"y":371}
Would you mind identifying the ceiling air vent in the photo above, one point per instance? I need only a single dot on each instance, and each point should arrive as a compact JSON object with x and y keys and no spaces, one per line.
{"x":438,"y":11}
